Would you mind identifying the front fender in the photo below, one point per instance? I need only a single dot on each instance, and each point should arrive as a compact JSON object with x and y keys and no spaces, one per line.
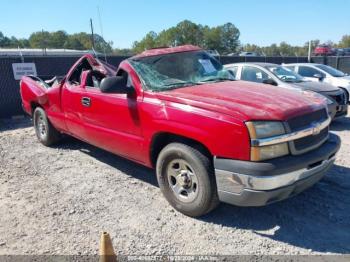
{"x":222,"y":135}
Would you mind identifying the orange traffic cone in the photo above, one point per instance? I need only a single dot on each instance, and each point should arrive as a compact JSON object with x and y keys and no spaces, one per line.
{"x":106,"y":249}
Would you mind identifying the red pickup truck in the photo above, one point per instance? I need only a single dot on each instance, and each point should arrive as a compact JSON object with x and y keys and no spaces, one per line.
{"x":177,"y":110}
{"x":323,"y":50}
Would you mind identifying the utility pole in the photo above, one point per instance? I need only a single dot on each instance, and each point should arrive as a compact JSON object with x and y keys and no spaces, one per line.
{"x":309,"y":53}
{"x":92,"y":35}
{"x":20,"y":53}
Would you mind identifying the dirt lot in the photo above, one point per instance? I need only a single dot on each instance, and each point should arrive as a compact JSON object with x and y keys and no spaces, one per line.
{"x":58,"y":200}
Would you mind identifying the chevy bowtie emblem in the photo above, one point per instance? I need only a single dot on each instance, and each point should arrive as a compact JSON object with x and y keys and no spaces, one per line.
{"x":316,"y":128}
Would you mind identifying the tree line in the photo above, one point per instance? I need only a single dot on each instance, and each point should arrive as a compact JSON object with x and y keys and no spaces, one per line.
{"x":285,"y":49}
{"x":223,"y":38}
{"x":58,"y":39}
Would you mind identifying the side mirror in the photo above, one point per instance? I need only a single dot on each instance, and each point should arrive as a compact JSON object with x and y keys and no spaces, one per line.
{"x":319,"y":76}
{"x":270,"y":81}
{"x":116,"y":85}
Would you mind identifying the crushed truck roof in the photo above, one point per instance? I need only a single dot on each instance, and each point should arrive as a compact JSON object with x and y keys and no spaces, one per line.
{"x":167,"y":50}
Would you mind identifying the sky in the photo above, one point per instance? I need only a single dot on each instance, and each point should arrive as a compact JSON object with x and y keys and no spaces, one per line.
{"x":123,"y":21}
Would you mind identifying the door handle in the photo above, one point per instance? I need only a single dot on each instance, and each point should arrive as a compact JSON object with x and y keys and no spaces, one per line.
{"x":86,"y":101}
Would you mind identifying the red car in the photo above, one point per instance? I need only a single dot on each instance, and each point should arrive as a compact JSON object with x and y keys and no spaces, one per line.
{"x":323,"y":50}
{"x":177,"y":110}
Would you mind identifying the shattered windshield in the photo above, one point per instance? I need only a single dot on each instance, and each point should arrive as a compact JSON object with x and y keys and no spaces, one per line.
{"x":285,"y":74}
{"x":164,"y":72}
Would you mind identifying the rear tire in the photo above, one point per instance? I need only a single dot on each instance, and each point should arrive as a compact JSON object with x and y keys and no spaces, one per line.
{"x":186,"y":179}
{"x":44,"y":130}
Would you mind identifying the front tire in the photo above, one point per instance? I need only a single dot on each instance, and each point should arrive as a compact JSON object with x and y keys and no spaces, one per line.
{"x":44,"y":130}
{"x":346,"y":95}
{"x":186,"y":179}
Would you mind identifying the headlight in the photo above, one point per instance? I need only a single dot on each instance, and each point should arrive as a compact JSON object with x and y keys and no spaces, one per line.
{"x":264,"y":129}
{"x":268,"y":152}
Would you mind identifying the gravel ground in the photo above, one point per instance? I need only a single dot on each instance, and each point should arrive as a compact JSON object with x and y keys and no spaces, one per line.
{"x":58,"y":200}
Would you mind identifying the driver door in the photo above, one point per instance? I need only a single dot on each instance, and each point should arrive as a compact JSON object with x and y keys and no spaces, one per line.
{"x":112,"y":121}
{"x":73,"y":95}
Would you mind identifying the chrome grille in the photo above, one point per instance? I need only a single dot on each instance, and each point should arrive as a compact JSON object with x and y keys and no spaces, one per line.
{"x":300,"y":122}
{"x":307,"y":143}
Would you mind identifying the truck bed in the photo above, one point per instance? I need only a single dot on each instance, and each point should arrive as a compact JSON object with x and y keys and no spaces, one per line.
{"x":34,"y":89}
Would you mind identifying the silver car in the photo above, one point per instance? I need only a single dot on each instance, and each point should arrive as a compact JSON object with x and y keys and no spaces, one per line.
{"x":324,"y":74}
{"x":280,"y":76}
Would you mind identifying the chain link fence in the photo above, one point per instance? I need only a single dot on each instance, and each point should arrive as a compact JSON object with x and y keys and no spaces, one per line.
{"x":10,"y":99}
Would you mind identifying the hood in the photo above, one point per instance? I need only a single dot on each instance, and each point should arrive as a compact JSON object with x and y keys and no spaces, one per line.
{"x":341,"y":81}
{"x":245,"y":100}
{"x":347,"y":77}
{"x":316,"y":86}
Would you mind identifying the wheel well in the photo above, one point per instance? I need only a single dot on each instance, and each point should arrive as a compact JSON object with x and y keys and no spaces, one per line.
{"x":346,"y":93}
{"x":34,"y":105}
{"x":161,"y":140}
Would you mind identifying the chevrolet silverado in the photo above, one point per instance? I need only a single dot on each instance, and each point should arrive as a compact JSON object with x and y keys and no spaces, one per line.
{"x":177,"y":110}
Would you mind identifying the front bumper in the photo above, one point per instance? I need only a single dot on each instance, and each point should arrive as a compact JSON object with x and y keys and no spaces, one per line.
{"x":246,"y":183}
{"x":341,"y":110}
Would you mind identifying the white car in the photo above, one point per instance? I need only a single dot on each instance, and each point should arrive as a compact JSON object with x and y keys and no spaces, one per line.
{"x":322,"y":73}
{"x":280,"y":76}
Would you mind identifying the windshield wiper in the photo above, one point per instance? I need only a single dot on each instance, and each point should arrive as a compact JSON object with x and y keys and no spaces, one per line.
{"x":171,"y":86}
{"x":181,"y":84}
